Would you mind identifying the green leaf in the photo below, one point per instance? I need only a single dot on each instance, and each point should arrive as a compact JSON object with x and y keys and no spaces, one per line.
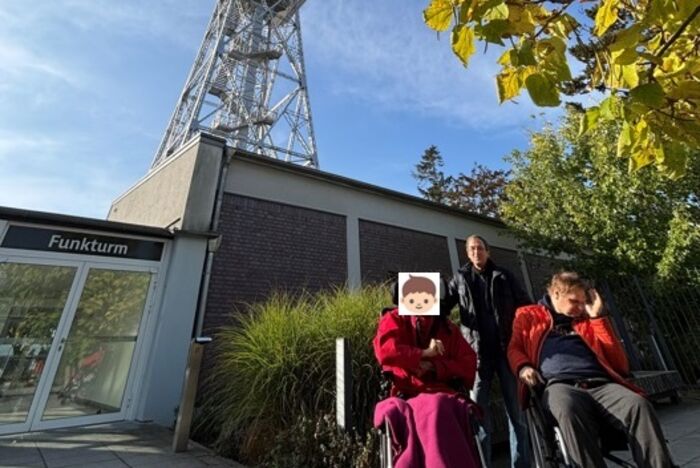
{"x":492,"y":31}
{"x":686,"y":89}
{"x":627,"y":38}
{"x":606,"y":16}
{"x":556,"y":67}
{"x":649,"y":94}
{"x":674,"y":161}
{"x":609,"y":108}
{"x":525,"y":54}
{"x":463,"y":43}
{"x":543,"y":91}
{"x":438,"y":15}
{"x":589,"y":120}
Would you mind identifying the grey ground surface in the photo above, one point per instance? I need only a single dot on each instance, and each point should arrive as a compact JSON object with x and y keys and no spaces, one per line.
{"x":104,"y":446}
{"x":146,"y":445}
{"x":681,"y":425}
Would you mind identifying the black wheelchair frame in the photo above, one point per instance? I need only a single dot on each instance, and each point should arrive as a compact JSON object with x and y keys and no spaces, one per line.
{"x":548,"y":449}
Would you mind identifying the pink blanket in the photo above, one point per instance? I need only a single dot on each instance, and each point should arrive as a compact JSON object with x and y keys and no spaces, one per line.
{"x":431,"y":430}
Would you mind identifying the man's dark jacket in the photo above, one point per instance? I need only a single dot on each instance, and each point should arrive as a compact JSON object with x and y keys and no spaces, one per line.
{"x":505,"y":294}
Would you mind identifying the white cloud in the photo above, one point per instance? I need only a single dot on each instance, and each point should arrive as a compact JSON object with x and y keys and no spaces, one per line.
{"x":45,"y":173}
{"x":382,"y":52}
{"x":178,"y":21}
{"x":17,"y":61}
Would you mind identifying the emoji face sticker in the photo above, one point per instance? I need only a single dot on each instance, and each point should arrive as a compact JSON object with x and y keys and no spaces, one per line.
{"x":419,"y":293}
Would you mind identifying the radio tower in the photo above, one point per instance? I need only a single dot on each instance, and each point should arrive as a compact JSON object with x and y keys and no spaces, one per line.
{"x":248,"y":84}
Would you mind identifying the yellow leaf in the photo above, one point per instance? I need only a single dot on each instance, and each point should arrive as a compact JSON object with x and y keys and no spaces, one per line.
{"x":508,"y":84}
{"x":562,"y":26}
{"x":438,"y":15}
{"x":630,"y":75}
{"x":521,"y":20}
{"x":624,"y":141}
{"x":505,"y":59}
{"x":606,"y":16}
{"x":589,"y":120}
{"x":463,"y":42}
{"x":624,"y":56}
{"x":497,"y":12}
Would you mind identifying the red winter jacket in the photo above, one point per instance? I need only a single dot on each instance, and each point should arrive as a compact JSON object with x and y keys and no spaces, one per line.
{"x":533,"y":323}
{"x":398,"y":347}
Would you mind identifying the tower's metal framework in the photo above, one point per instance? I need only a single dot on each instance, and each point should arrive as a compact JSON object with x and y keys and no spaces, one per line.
{"x":248,"y":84}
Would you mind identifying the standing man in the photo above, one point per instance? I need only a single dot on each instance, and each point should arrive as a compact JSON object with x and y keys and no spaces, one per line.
{"x":488,"y":296}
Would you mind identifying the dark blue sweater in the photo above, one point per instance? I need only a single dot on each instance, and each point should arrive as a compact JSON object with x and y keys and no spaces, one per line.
{"x":564,"y":354}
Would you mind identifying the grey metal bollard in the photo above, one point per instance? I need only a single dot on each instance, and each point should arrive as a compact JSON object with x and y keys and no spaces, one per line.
{"x":189,"y":392}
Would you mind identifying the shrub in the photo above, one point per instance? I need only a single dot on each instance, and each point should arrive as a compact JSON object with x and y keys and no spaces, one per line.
{"x":317,"y":443}
{"x":275,"y":365}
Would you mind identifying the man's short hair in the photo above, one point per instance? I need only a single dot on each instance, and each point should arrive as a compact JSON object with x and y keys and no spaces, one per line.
{"x":483,"y":241}
{"x":418,"y":284}
{"x":565,"y":281}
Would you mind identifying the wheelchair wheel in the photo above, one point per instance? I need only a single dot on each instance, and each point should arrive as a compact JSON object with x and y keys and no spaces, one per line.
{"x":543,"y":454}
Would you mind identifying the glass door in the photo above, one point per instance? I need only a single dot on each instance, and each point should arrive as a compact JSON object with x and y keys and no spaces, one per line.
{"x":96,"y":350}
{"x":33,"y":298}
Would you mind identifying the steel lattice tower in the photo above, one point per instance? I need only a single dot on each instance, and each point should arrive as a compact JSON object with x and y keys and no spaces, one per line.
{"x":248,"y":84}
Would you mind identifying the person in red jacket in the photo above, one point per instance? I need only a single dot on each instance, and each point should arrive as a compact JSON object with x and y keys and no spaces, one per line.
{"x":568,"y":344}
{"x":426,"y":356}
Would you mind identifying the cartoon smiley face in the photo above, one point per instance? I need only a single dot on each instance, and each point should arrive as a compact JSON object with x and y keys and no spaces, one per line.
{"x":418,"y":302}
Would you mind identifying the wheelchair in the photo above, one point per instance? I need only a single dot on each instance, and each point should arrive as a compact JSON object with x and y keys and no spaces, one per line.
{"x":548,"y":449}
{"x":386,"y":456}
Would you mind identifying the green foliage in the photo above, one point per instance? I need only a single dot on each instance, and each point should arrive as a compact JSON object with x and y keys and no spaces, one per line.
{"x":432,"y":182}
{"x":317,"y":443}
{"x":479,"y":192}
{"x":681,"y":258}
{"x":276,"y":364}
{"x":570,"y":194}
{"x":645,"y":54}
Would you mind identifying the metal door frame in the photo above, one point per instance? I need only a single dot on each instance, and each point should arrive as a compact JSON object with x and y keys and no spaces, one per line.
{"x":83,"y":265}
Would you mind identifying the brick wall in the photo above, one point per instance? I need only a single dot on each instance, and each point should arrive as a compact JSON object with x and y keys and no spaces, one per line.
{"x":385,"y":248}
{"x":269,"y":246}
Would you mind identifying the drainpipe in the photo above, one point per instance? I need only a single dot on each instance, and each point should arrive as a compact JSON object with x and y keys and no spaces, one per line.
{"x":186,"y":411}
{"x":212,"y":247}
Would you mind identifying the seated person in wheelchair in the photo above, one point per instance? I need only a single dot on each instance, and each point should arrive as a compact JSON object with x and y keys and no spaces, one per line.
{"x":567,"y":344}
{"x":425,"y":356}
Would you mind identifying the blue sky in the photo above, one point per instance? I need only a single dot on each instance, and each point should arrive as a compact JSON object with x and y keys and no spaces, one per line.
{"x":87,"y":88}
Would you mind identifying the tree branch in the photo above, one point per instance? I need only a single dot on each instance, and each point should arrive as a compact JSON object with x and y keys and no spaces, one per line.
{"x":554,"y":16}
{"x":672,"y":39}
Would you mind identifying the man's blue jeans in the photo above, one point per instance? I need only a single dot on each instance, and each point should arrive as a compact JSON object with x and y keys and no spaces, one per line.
{"x":481,"y":394}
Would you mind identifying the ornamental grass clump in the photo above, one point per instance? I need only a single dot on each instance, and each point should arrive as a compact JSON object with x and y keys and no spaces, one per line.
{"x":275,"y":364}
